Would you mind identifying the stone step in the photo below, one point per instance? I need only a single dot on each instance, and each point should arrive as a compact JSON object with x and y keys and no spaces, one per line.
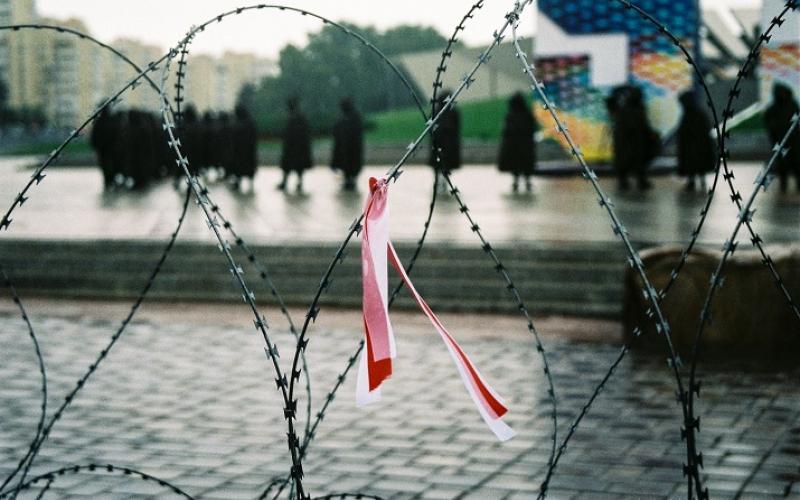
{"x":182,"y":283}
{"x":579,"y":253}
{"x":304,"y":269}
{"x":581,"y":279}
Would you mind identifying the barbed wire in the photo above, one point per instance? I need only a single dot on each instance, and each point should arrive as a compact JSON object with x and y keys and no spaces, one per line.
{"x":171,"y":117}
{"x":39,"y":358}
{"x":695,"y":458}
{"x":662,"y":326}
{"x":203,"y":200}
{"x":673,"y":276}
{"x":342,"y":496}
{"x":262,"y":270}
{"x":392,"y":175}
{"x":745,"y":216}
{"x":728,"y":248}
{"x":109,"y":469}
{"x":437,"y":86}
{"x":183,"y":162}
{"x":38,"y":176}
{"x":46,"y":487}
{"x":180,"y":87}
{"x":27,"y":461}
{"x":733,"y":95}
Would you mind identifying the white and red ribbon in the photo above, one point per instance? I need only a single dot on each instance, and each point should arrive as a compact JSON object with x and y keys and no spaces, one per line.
{"x":377,"y":358}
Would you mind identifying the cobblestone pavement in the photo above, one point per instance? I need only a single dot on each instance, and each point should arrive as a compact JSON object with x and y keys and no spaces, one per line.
{"x":70,"y":203}
{"x":194,"y":403}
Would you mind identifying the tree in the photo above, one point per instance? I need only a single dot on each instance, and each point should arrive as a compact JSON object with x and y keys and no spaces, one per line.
{"x":332,"y":66}
{"x":6,"y":114}
{"x":410,"y":38}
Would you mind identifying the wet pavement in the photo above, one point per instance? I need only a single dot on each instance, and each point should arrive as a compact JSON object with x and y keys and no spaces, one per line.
{"x":187,"y":395}
{"x":70,"y":203}
{"x":192,"y":401}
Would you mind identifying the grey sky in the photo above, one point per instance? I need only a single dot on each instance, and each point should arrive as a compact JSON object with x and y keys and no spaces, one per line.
{"x":163,"y":22}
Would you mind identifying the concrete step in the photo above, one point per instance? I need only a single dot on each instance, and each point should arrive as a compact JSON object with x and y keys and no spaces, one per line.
{"x":552,"y":251}
{"x":578,"y":279}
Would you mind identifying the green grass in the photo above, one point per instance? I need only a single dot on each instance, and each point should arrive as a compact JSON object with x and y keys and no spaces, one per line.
{"x":482,"y":120}
{"x":753,"y":124}
{"x":45,"y":148}
{"x":479,"y":120}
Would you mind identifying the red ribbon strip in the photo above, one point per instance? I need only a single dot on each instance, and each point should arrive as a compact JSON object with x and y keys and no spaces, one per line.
{"x":376,"y":360}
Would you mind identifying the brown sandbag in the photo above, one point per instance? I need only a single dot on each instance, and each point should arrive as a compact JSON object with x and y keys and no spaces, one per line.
{"x":749,"y":312}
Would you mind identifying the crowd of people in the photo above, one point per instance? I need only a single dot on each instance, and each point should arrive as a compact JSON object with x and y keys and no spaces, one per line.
{"x":636,"y":143}
{"x":778,"y":120}
{"x":348,"y":145}
{"x":132,"y":149}
{"x":129,"y":147}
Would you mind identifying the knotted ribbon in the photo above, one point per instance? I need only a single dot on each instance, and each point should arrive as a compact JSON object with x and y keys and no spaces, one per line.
{"x":376,"y":360}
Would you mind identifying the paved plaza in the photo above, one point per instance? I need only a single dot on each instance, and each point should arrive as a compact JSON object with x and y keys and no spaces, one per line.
{"x":187,"y":395}
{"x":70,"y":203}
{"x":190,"y":399}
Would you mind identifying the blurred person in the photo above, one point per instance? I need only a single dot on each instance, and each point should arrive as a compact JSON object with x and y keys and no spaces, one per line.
{"x":140,"y":149}
{"x":190,"y":133}
{"x":778,"y":120}
{"x":696,"y":149}
{"x":245,"y":147}
{"x":102,"y":141}
{"x":119,"y":150}
{"x":296,"y":150}
{"x":446,"y":148}
{"x":348,"y":144}
{"x":159,"y":139}
{"x":517,"y":146}
{"x":225,"y":147}
{"x":164,"y":154}
{"x":229,"y":143}
{"x":636,"y":143}
{"x":210,"y":157}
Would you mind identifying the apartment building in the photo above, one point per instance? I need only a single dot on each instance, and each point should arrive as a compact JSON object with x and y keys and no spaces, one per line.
{"x":66,"y":76}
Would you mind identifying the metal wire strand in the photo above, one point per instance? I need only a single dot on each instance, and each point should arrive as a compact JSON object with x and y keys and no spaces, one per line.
{"x":650,"y":294}
{"x":109,"y":469}
{"x":38,"y":176}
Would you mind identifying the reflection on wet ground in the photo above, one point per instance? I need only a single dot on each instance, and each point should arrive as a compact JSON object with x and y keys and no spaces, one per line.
{"x":70,"y":203}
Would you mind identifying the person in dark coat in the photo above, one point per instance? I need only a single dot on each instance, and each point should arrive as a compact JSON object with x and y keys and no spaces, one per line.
{"x":102,"y":140}
{"x":778,"y":120}
{"x":348,"y":144}
{"x":190,"y":132}
{"x":211,"y":158}
{"x":159,"y":139}
{"x":636,"y":143}
{"x":245,"y":145}
{"x":165,"y":158}
{"x":517,"y":147}
{"x":120,"y":152}
{"x":141,"y":149}
{"x":224,"y":146}
{"x":296,"y":150}
{"x":446,"y":146}
{"x":696,"y":150}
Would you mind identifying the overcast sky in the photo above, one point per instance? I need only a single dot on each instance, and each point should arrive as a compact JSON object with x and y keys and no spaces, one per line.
{"x":163,"y":22}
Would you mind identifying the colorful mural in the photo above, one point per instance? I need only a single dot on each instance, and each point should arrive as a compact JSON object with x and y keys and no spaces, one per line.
{"x":780,"y":58}
{"x":584,"y":48}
